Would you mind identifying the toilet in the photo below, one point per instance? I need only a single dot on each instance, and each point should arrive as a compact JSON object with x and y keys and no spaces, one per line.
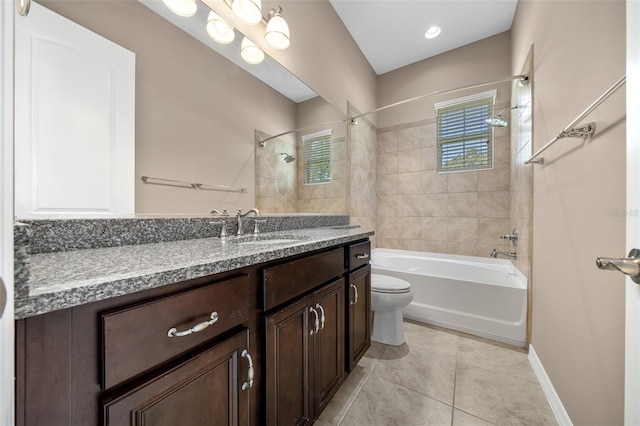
{"x":389,"y":295}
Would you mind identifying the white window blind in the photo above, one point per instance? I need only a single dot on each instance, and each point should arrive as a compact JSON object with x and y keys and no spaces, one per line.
{"x":317,"y":157}
{"x":465,"y":141}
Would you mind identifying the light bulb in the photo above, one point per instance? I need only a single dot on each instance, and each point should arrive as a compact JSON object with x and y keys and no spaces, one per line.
{"x":251,"y":53}
{"x":219,"y":29}
{"x":433,"y":32}
{"x":184,"y":8}
{"x":277,"y":34}
{"x":249,"y":11}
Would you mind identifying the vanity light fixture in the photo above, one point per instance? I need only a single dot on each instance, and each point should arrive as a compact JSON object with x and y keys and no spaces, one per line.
{"x":251,"y":53}
{"x":249,"y":11}
{"x":219,"y":29}
{"x":433,"y":32}
{"x":184,"y":8}
{"x":277,"y":34}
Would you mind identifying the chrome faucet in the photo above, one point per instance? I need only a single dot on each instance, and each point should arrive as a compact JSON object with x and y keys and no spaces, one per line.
{"x":223,"y":230}
{"x":239,"y":217}
{"x":494,"y":254}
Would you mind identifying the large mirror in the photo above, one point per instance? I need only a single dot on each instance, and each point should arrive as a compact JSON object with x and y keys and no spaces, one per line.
{"x":199,"y":117}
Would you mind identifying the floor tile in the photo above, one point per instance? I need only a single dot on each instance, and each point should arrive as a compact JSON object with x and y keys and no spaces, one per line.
{"x":501,"y":398}
{"x":460,"y":418}
{"x":419,"y":369}
{"x":505,"y":361}
{"x":438,"y":341}
{"x":383,"y":403}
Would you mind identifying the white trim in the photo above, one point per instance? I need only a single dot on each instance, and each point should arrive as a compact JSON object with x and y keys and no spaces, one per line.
{"x":477,"y":97}
{"x":7,"y":327}
{"x":321,"y":133}
{"x":632,"y":296}
{"x":547,"y":387}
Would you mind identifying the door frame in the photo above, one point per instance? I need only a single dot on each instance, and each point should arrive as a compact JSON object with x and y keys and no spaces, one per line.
{"x":632,"y":296}
{"x":7,"y":325}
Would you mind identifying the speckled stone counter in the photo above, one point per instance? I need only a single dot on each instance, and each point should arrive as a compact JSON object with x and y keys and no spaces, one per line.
{"x":59,"y":280}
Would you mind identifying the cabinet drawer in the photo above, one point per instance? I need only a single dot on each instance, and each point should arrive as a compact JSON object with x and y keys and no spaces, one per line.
{"x":284,"y":282}
{"x":136,"y":338}
{"x":359,"y":254}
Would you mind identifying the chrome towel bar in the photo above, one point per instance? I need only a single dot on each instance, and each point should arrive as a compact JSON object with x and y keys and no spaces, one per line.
{"x":190,"y":185}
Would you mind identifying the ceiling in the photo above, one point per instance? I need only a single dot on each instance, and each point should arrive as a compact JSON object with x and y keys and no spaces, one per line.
{"x":390,"y":33}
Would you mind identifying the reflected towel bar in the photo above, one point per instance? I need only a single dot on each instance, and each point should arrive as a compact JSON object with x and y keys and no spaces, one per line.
{"x":582,"y":131}
{"x":190,"y":185}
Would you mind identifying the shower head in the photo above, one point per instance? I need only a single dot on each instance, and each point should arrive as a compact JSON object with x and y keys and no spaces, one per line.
{"x":288,"y":158}
{"x":498,"y":121}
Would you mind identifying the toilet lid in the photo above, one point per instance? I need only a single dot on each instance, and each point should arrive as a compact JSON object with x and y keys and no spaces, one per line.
{"x":387,"y":284}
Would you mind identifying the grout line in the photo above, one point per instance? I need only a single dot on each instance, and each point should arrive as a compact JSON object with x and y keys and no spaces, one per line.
{"x":455,"y":376}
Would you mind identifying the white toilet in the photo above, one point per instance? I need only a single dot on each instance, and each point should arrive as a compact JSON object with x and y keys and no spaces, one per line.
{"x":389,"y":295}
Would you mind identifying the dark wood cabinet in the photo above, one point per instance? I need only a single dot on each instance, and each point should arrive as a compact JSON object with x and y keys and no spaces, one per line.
{"x":211,"y":388}
{"x":358,"y":302}
{"x":305,"y":356}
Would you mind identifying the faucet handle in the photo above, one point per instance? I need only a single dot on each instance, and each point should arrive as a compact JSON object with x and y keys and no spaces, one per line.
{"x":256,"y":230}
{"x":223,"y":230}
{"x":217,"y":213}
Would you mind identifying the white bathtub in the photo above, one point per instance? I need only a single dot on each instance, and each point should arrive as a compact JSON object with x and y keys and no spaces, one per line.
{"x":480,"y":296}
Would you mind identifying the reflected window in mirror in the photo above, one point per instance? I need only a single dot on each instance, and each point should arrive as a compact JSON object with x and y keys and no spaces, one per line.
{"x":317,"y":157}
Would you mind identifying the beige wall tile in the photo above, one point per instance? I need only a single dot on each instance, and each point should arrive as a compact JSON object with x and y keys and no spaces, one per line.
{"x":462,"y":249}
{"x":409,"y":205}
{"x":434,"y":228}
{"x":490,"y":229}
{"x":387,"y":163}
{"x":463,"y":204}
{"x":496,"y":179}
{"x":410,"y":138}
{"x":462,"y":182}
{"x":409,"y":183}
{"x":387,"y":206}
{"x":387,"y":227}
{"x":409,"y":228}
{"x":493,"y":204}
{"x":429,"y":157}
{"x":388,"y":184}
{"x":409,"y":161}
{"x":435,"y":246}
{"x":462,"y":230}
{"x":434,"y":183}
{"x":435,"y":205}
{"x":387,"y":142}
{"x":429,"y":135}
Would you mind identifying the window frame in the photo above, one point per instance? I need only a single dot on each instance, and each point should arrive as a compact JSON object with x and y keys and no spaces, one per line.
{"x":323,"y":136}
{"x":458,"y":106}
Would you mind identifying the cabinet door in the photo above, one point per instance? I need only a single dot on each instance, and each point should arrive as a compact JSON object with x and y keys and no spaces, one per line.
{"x":328,"y":344}
{"x":359,"y":339}
{"x":206,"y":390}
{"x":287,"y":364}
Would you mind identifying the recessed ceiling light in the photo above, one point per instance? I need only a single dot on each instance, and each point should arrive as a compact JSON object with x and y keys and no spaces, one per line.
{"x":433,"y":32}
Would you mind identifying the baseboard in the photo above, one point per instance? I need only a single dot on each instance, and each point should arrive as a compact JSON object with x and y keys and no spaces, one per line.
{"x":547,"y":387}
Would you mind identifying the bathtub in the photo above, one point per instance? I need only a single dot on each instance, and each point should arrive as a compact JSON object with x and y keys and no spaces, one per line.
{"x":481,"y":296}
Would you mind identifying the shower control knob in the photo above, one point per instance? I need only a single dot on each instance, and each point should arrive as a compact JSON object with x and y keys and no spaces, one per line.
{"x":627,"y":265}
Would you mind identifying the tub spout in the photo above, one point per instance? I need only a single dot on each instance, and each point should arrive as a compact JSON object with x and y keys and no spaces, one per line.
{"x":494,"y":254}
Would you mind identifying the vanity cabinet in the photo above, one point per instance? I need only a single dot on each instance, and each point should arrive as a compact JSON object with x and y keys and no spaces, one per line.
{"x":358,"y":302}
{"x":305,"y":338}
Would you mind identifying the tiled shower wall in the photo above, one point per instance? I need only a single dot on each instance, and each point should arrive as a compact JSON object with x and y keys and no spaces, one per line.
{"x":276,"y":181}
{"x":363,"y":182}
{"x":456,"y":213}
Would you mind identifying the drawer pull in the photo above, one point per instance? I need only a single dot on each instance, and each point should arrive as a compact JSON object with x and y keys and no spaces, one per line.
{"x":355,"y":289}
{"x":173,"y":332}
{"x":316,"y":322}
{"x":319,"y":306}
{"x":250,"y":373}
{"x":362,"y":255}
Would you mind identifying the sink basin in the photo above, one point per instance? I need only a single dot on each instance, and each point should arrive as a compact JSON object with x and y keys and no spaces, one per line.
{"x":268,"y":239}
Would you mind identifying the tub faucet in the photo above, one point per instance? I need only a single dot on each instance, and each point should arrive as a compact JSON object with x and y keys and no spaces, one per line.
{"x":494,"y":254}
{"x":239,"y":217}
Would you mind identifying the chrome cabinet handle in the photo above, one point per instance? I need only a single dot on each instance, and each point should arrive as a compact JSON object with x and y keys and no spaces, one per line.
{"x":173,"y":332}
{"x":355,"y":289}
{"x":317,"y":321}
{"x":362,"y":255}
{"x":319,"y":306}
{"x":250,"y":374}
{"x":627,"y":265}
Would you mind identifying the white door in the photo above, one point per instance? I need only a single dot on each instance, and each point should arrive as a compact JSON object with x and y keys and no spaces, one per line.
{"x":74,"y":120}
{"x":632,"y":331}
{"x":6,"y":212}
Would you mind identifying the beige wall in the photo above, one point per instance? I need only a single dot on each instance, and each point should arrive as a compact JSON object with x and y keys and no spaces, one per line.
{"x":579,"y":201}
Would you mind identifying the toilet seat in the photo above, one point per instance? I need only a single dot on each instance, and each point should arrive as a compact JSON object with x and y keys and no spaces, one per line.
{"x":388,"y":284}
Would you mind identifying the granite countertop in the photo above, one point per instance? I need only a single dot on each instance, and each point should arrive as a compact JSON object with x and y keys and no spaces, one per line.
{"x":64,"y":279}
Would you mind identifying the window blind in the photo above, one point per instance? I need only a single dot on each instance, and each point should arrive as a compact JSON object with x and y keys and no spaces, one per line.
{"x":317,"y":157}
{"x":465,"y":141}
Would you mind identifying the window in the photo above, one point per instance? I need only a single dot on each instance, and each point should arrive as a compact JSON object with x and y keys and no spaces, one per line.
{"x":317,"y":157}
{"x":465,"y":141}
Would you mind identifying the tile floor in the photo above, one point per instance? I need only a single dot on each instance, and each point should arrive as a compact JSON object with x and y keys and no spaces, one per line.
{"x":440,"y":378}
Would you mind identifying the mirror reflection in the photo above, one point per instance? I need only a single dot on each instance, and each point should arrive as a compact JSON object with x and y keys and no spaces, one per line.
{"x":197,"y":115}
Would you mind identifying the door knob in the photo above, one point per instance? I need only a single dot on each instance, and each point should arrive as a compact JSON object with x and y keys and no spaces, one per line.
{"x":627,"y":265}
{"x":3,"y":297}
